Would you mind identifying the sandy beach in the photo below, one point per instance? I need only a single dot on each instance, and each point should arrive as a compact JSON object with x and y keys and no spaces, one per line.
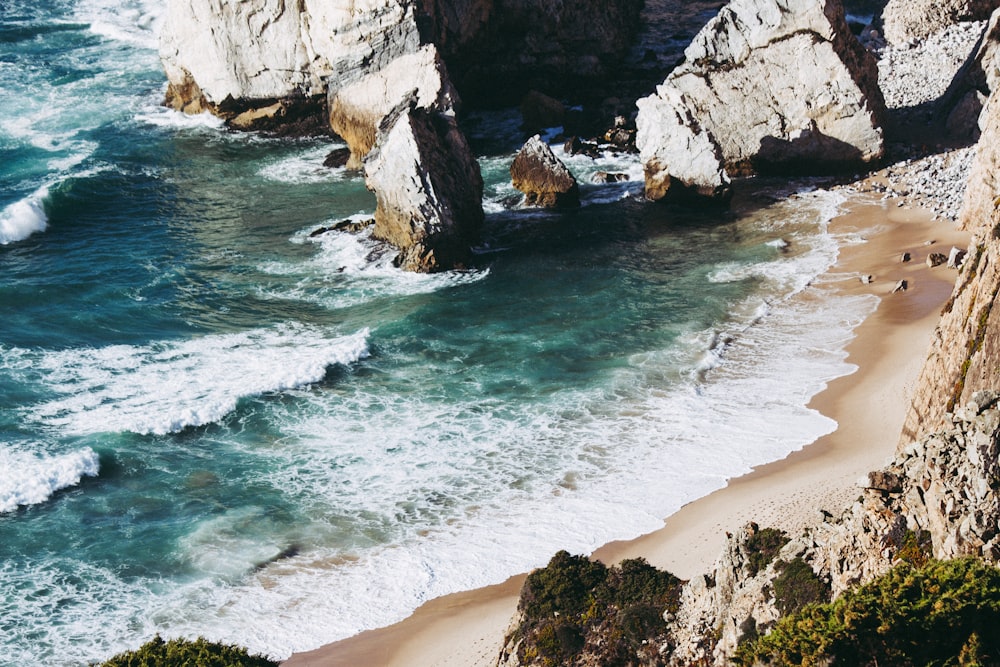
{"x":466,"y":629}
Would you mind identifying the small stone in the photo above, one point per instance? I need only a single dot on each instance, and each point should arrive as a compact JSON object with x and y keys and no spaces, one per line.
{"x":906,"y":257}
{"x":866,"y":279}
{"x":936,"y":259}
{"x":955,"y":258}
{"x":901,"y":286}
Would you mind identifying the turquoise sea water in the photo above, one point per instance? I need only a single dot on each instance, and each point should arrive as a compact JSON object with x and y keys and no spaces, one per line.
{"x":213,"y":424}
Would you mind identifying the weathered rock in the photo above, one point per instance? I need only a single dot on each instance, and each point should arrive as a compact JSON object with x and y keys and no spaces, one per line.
{"x":428,"y":188}
{"x":680,"y":157}
{"x":338,"y":157}
{"x":911,"y":20}
{"x":544,"y":180}
{"x":577,"y":146}
{"x":357,"y":108}
{"x":736,"y":89}
{"x":901,"y":286}
{"x":233,"y":58}
{"x":609,"y":177}
{"x":956,"y":257}
{"x":936,"y":259}
{"x":965,"y":349}
{"x":962,"y":104}
{"x":906,"y":257}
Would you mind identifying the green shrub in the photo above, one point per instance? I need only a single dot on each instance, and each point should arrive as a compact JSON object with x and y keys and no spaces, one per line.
{"x":945,"y":613}
{"x":797,"y":586}
{"x":915,"y":549}
{"x":762,"y":547}
{"x":573,"y":600}
{"x":185,"y":653}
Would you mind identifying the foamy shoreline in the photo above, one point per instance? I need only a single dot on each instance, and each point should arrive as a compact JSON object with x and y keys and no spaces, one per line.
{"x":889,"y":348}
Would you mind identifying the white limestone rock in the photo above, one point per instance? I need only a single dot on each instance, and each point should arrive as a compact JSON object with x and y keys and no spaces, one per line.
{"x":906,"y":21}
{"x":428,"y":188}
{"x":358,"y":107}
{"x":776,"y":84}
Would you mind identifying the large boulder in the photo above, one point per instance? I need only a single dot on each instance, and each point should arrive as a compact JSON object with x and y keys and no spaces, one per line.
{"x":681,"y":158}
{"x":542,"y":177}
{"x":428,"y":188}
{"x":737,"y":85}
{"x":912,"y":20}
{"x":358,"y":107}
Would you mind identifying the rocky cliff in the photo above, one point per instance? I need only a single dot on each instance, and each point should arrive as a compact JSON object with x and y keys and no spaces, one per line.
{"x":964,"y":355}
{"x":255,"y":63}
{"x":909,"y":20}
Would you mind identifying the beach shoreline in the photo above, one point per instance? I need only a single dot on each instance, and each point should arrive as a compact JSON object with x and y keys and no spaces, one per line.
{"x":888,"y":349}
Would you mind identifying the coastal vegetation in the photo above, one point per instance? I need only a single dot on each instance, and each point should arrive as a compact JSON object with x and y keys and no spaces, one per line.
{"x":575,"y":605}
{"x":200,"y":652}
{"x":944,"y":613}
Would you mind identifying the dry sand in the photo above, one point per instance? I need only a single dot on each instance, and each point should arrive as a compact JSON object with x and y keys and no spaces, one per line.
{"x":466,"y":629}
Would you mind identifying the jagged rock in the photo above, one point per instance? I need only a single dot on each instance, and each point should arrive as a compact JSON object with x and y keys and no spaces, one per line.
{"x":956,"y":257}
{"x":881,"y":480}
{"x":428,"y":188}
{"x":936,"y":259}
{"x":736,"y":89}
{"x":962,"y":104}
{"x":234,"y":58}
{"x":577,"y":146}
{"x":911,"y":20}
{"x":357,"y":108}
{"x":338,"y":157}
{"x":901,"y":286}
{"x":544,"y":180}
{"x":609,"y":177}
{"x":680,"y":158}
{"x":965,"y":349}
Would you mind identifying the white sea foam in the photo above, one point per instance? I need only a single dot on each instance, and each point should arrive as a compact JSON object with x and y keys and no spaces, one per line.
{"x":24,"y":217}
{"x":28,"y":479}
{"x":448,"y":483}
{"x":167,"y":387}
{"x":133,"y":22}
{"x":158,"y":115}
{"x":349,"y":269}
{"x":306,"y":167}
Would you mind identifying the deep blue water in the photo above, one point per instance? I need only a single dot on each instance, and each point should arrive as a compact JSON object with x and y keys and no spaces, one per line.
{"x":214,"y":424}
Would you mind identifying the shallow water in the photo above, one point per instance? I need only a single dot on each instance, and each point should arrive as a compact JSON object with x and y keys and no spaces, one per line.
{"x":214,"y":424}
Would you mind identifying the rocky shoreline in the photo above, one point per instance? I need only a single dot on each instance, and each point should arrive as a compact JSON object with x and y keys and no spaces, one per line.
{"x":902,"y":115}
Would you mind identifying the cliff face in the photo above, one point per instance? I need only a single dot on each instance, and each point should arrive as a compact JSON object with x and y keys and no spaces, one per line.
{"x":964,"y":354}
{"x":267,"y":56}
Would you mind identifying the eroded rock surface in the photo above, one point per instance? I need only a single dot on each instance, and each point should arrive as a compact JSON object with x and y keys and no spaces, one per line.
{"x":737,"y":87}
{"x":428,"y":188}
{"x":542,"y":177}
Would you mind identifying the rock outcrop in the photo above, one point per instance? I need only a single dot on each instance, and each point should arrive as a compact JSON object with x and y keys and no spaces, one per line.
{"x":267,"y":61}
{"x":911,"y":20}
{"x":428,"y":188}
{"x":544,"y":180}
{"x":962,"y":104}
{"x":358,"y":107}
{"x":965,"y":350}
{"x":736,"y":87}
{"x":938,"y":498}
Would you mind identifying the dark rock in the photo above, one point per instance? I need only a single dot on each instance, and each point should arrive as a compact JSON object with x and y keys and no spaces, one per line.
{"x":887,"y":482}
{"x":338,"y":157}
{"x":901,"y":286}
{"x":577,"y":146}
{"x":906,"y":257}
{"x":544,"y":180}
{"x":539,"y":111}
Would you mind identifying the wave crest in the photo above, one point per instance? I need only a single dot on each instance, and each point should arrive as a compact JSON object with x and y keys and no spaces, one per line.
{"x":31,"y":480}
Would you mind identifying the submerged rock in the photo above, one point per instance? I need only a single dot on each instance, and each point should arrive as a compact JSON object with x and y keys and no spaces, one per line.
{"x":736,"y":90}
{"x":544,"y":180}
{"x":428,"y":188}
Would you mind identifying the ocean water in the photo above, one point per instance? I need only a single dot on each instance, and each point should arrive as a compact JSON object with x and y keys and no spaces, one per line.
{"x":213,"y":424}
